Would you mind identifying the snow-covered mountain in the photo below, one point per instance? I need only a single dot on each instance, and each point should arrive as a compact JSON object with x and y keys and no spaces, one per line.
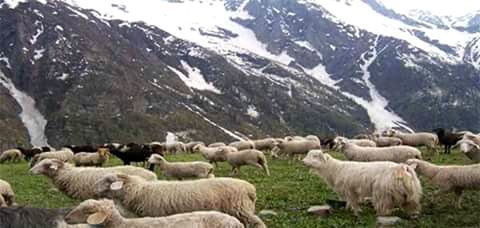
{"x":235,"y":68}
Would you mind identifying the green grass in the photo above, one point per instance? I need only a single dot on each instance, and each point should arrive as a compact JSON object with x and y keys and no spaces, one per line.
{"x":289,"y":191}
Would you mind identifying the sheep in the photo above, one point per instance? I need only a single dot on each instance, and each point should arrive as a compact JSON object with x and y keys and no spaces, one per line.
{"x":362,"y":136}
{"x":13,"y":155}
{"x":246,"y":157}
{"x":30,"y":153}
{"x":264,"y":144}
{"x":28,"y":217}
{"x":104,"y":213}
{"x":217,"y":144}
{"x":294,"y":147}
{"x":78,"y":182}
{"x":175,"y":147}
{"x":7,"y":196}
{"x":358,"y":142}
{"x":293,"y":138}
{"x":243,"y":145}
{"x":416,"y":139}
{"x":447,"y":138}
{"x":354,"y":152}
{"x":387,"y":183}
{"x":212,"y":154}
{"x":382,"y":141}
{"x":65,"y":155}
{"x":162,"y":198}
{"x":133,"y":152}
{"x":312,"y":137}
{"x":79,"y":149}
{"x":449,"y":178}
{"x":473,"y":137}
{"x":470,"y":149}
{"x":189,"y":146}
{"x":181,"y":170}
{"x":91,"y":159}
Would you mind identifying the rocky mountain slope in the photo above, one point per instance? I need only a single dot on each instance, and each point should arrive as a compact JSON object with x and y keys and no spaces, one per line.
{"x":118,"y":70}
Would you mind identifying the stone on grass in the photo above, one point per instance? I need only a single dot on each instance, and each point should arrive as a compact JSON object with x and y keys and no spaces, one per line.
{"x":383,"y":221}
{"x":268,"y":213}
{"x":322,"y":211}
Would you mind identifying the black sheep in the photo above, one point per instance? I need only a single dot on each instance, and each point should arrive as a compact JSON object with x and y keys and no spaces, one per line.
{"x":85,"y":148}
{"x":30,"y":153}
{"x":14,"y":217}
{"x":132,"y":152}
{"x":327,"y":143}
{"x":447,"y":138}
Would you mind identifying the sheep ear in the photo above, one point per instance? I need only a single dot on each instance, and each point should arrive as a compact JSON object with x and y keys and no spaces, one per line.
{"x":97,"y":218}
{"x":413,"y":166}
{"x":117,"y":185}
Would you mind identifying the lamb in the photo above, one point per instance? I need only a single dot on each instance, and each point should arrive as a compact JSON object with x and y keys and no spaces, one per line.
{"x":393,"y":153}
{"x":13,"y":155}
{"x":294,"y":147}
{"x":447,"y":138}
{"x":449,"y":178}
{"x":181,"y":170}
{"x":264,"y":144}
{"x":104,"y":213}
{"x":358,"y":142}
{"x":382,"y":141}
{"x":28,"y":217}
{"x":243,"y":145}
{"x":65,"y":155}
{"x":91,"y":159}
{"x":387,"y":183}
{"x":30,"y":153}
{"x":212,"y":154}
{"x":246,"y":157}
{"x":416,"y":139}
{"x":189,"y":146}
{"x":7,"y":196}
{"x":162,"y":198}
{"x":217,"y":144}
{"x":78,"y":182}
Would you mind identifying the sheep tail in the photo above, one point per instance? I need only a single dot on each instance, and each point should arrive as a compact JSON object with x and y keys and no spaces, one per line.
{"x":263,"y":162}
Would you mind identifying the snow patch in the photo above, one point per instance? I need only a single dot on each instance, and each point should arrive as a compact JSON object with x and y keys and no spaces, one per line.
{"x":5,"y":60}
{"x":38,"y":54}
{"x":63,"y":77}
{"x":252,"y":111}
{"x":39,"y":32}
{"x":31,"y":117}
{"x":194,"y":79}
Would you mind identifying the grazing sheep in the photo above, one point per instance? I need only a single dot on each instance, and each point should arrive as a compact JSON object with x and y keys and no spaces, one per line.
{"x":7,"y":196}
{"x":294,"y":147}
{"x":447,"y":138}
{"x":29,"y":153}
{"x":79,"y":149}
{"x":246,"y":157}
{"x":243,"y":145}
{"x":470,"y":149}
{"x":217,"y":144}
{"x":212,"y":154}
{"x":162,"y":198}
{"x":416,"y":139}
{"x":133,"y":152}
{"x":264,"y":144}
{"x":173,"y":148}
{"x":473,"y":137}
{"x":358,"y":142}
{"x":65,"y":155}
{"x":383,"y":141}
{"x":104,"y":213}
{"x":28,"y":217}
{"x":449,"y":178}
{"x":78,"y":182}
{"x":387,"y":183}
{"x":13,"y":155}
{"x":189,"y":146}
{"x":181,"y":170}
{"x":354,"y":152}
{"x":91,"y":159}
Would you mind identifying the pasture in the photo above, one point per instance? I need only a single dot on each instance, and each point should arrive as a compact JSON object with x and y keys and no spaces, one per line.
{"x":289,"y":191}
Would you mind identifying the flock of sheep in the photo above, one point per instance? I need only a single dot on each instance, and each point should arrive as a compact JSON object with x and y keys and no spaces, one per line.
{"x":382,"y":168}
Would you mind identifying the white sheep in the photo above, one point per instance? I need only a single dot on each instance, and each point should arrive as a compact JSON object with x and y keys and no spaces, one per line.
{"x":212,"y":154}
{"x":78,"y":182}
{"x":354,"y":152}
{"x":162,"y":198}
{"x":358,"y":142}
{"x":470,"y":149}
{"x":65,"y":155}
{"x":189,"y":146}
{"x":449,"y":178}
{"x":264,"y":144}
{"x":473,"y":137}
{"x":243,"y":145}
{"x":387,"y":183}
{"x":104,"y":213}
{"x":13,"y":155}
{"x":383,"y":141}
{"x":429,"y":140}
{"x":7,"y":196}
{"x":246,"y":157}
{"x":181,"y":170}
{"x":91,"y":159}
{"x":217,"y":144}
{"x":294,"y":147}
{"x":175,"y":147}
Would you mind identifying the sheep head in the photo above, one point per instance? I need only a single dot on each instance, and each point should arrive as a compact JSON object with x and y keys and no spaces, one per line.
{"x":466,"y":145}
{"x":92,"y":212}
{"x":316,"y":158}
{"x":47,"y":167}
{"x":110,"y":186}
{"x":103,"y":151}
{"x":156,"y":159}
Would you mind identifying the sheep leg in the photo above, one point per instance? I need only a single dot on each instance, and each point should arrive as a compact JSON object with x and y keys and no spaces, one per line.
{"x":458,"y":193}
